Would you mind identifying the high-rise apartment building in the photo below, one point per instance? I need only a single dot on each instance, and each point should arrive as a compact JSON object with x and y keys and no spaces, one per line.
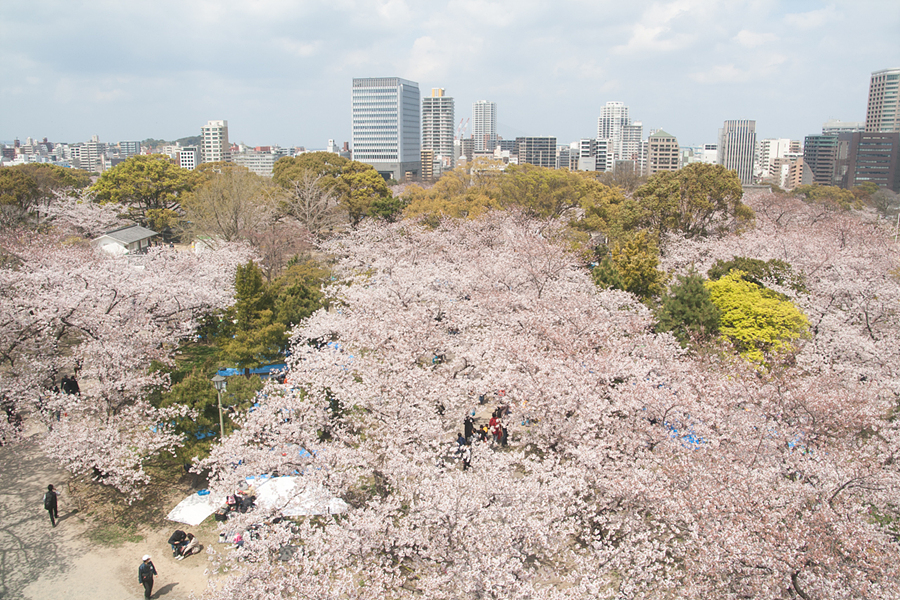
{"x":613,"y":118}
{"x":768,"y":150}
{"x":737,"y":147}
{"x":214,"y":146}
{"x":89,"y":156}
{"x":663,"y":153}
{"x":883,"y":114}
{"x":438,"y":120}
{"x":386,"y":125}
{"x":484,"y":126}
{"x":632,"y":146}
{"x":625,"y":139}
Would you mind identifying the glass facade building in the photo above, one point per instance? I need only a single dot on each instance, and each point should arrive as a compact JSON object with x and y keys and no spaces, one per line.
{"x":386,"y":125}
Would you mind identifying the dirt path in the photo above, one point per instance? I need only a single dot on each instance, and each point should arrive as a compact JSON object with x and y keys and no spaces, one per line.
{"x":39,"y":562}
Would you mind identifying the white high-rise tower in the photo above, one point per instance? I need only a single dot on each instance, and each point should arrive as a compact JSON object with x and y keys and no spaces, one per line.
{"x":214,"y":146}
{"x":437,"y":126}
{"x":484,"y":126}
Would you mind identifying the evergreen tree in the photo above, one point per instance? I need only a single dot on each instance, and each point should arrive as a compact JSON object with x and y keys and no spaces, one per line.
{"x":688,"y":311}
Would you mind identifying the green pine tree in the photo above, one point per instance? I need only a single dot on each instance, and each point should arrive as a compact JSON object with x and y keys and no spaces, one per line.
{"x":688,"y":311}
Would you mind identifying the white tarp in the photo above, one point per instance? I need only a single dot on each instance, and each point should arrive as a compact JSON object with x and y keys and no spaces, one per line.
{"x":194,"y":509}
{"x":282,"y":495}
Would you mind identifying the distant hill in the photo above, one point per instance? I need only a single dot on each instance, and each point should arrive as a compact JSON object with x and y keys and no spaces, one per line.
{"x":193,"y":140}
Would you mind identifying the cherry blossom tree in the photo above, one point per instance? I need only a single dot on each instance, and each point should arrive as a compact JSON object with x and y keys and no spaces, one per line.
{"x":67,"y":306}
{"x":634,"y":469}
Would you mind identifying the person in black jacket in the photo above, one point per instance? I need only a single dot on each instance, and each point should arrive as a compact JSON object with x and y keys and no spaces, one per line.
{"x":50,"y":504}
{"x":145,"y":575}
{"x":177,"y":541}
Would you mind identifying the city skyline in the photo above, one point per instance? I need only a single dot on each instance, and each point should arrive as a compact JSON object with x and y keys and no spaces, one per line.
{"x":280,"y":73}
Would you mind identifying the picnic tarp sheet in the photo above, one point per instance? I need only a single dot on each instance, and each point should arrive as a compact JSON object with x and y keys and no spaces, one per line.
{"x":278,"y":493}
{"x":194,"y":509}
{"x":284,"y":495}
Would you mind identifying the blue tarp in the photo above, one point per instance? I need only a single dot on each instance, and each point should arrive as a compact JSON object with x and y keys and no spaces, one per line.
{"x":263,"y":372}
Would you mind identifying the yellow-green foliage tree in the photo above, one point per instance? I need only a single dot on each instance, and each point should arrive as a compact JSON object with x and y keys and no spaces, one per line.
{"x":457,"y":194}
{"x":632,"y":266}
{"x":357,"y":184}
{"x":758,"y":321}
{"x":608,"y":210}
{"x":698,"y":200}
{"x":831,"y":196}
{"x":149,"y":185}
{"x":541,"y":192}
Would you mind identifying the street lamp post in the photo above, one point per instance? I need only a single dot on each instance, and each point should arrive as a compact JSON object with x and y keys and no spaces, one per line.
{"x":221,"y":385}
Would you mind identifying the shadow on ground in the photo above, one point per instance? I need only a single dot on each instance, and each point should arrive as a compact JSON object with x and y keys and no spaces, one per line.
{"x":29,"y":546}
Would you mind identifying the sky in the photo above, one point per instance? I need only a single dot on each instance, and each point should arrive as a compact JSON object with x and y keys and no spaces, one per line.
{"x":280,"y":71}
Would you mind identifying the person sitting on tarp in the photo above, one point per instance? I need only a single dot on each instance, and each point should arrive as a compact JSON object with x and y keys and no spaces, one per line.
{"x":244,"y":501}
{"x":190,"y":544}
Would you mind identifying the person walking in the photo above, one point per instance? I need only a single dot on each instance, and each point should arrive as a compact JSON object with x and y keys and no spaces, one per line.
{"x":50,"y":504}
{"x":145,"y":575}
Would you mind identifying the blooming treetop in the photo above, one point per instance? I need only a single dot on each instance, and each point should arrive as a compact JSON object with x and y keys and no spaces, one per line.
{"x":634,"y":470}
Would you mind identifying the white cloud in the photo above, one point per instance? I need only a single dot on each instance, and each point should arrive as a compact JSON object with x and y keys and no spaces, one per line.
{"x":654,"y":32}
{"x":812,"y":19}
{"x":752,"y":39}
{"x":721,"y":74}
{"x":299,"y":48}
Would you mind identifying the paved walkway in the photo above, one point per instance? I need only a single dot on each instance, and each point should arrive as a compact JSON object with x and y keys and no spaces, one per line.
{"x":40,"y":562}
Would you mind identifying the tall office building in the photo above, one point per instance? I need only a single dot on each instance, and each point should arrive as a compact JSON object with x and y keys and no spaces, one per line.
{"x":873,"y":158}
{"x":837,"y":126}
{"x":128,"y":149}
{"x":663,"y":153}
{"x":737,"y":147}
{"x":883,"y":114}
{"x":484,"y":125}
{"x":214,"y":146}
{"x":386,"y":127}
{"x":825,"y":155}
{"x":540,"y":151}
{"x":438,"y":120}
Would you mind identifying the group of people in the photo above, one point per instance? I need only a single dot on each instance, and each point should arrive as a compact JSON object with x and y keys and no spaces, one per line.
{"x":240,"y":501}
{"x":69,"y":385}
{"x":494,"y":431}
{"x":183,"y":544}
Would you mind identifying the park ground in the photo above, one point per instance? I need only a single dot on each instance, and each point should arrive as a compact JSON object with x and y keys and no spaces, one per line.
{"x":88,"y":555}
